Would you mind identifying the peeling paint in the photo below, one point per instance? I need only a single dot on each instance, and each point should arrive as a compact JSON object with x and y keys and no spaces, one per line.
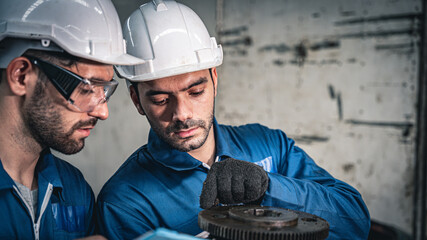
{"x":278,"y":62}
{"x":404,"y":48}
{"x":308,"y":139}
{"x":236,"y":52}
{"x":406,"y":141}
{"x":318,"y":63}
{"x":347,"y":13}
{"x":381,"y":124}
{"x":331,"y":91}
{"x":300,"y":53}
{"x":315,"y":15}
{"x":246,"y":41}
{"x":389,"y":33}
{"x":391,"y":17}
{"x":233,"y":31}
{"x":380,"y":19}
{"x":394,"y":46}
{"x":348,"y":167}
{"x":339,"y":107}
{"x":406,"y":127}
{"x":336,"y":96}
{"x":406,"y":132}
{"x":329,"y":62}
{"x":351,"y":60}
{"x":326,"y":44}
{"x":280,"y":48}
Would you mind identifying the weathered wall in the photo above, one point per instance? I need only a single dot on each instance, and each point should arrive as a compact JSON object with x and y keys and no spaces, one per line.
{"x":340,"y":77}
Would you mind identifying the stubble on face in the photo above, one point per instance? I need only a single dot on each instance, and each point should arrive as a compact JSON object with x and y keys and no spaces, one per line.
{"x":181,"y":134}
{"x":46,"y":125}
{"x":184,"y":144}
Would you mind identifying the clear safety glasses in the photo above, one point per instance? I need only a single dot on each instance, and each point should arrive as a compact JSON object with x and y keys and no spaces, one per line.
{"x":82,"y":94}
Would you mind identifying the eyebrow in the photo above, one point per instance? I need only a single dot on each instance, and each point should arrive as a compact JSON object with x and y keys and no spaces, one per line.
{"x":196,"y":83}
{"x":98,"y":80}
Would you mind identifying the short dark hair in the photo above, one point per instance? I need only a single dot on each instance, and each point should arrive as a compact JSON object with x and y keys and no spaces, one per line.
{"x":58,"y":58}
{"x":2,"y":74}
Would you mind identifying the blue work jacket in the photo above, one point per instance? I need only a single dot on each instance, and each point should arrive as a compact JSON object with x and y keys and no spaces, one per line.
{"x":159,"y":186}
{"x":64,"y":207}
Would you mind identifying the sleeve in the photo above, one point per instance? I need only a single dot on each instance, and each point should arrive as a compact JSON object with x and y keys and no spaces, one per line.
{"x":301,"y":185}
{"x":115,"y":222}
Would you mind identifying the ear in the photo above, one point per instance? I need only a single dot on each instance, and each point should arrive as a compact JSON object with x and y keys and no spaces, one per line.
{"x":135,"y":99}
{"x":215,"y":79}
{"x":18,"y":73}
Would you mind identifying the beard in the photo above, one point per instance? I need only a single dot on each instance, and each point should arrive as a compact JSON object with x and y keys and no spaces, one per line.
{"x":184,"y":144}
{"x":46,"y":125}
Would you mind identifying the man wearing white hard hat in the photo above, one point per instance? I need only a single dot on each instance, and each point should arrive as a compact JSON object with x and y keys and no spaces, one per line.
{"x":56,"y":63}
{"x":191,"y":162}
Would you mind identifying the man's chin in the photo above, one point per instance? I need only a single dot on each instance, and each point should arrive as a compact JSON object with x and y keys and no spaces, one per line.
{"x":70,"y":148}
{"x":186,"y":145}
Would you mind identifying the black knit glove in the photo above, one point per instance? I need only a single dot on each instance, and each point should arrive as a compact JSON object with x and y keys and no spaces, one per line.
{"x":233,"y":181}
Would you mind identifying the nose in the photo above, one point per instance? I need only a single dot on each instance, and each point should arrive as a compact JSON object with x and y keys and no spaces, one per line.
{"x":100,"y":111}
{"x":183,"y":110}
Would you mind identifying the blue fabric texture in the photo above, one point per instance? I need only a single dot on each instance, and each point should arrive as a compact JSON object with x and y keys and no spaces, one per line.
{"x":69,"y":213}
{"x":69,"y":218}
{"x":160,"y":187}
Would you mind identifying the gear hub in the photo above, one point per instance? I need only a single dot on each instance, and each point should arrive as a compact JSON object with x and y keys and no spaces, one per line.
{"x":261,"y":223}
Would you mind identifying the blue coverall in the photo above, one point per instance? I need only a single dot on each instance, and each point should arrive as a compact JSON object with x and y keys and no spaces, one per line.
{"x":159,"y":186}
{"x":64,"y":207}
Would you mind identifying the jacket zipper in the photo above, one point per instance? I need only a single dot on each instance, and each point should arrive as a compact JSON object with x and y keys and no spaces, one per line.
{"x":36,"y":225}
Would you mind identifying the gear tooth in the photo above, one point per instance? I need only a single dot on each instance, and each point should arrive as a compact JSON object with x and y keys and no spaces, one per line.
{"x":219,"y":224}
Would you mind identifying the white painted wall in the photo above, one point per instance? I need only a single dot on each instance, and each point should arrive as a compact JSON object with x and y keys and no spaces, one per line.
{"x":340,"y":77}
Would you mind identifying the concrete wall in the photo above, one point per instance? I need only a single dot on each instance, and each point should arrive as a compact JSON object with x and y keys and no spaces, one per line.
{"x":340,"y":77}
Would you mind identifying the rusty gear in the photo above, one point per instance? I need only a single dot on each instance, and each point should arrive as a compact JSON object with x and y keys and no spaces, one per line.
{"x":261,"y":223}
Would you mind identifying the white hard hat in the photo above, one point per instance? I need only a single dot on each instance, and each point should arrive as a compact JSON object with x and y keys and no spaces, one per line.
{"x":172,"y":40}
{"x":84,"y":28}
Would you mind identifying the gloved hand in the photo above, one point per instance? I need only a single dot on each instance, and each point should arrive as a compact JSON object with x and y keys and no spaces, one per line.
{"x":233,"y":181}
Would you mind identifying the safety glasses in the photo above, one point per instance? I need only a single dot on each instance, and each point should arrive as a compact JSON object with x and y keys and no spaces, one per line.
{"x":82,"y":94}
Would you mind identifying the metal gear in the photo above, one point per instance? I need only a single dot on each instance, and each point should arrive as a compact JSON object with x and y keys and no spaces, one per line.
{"x":261,"y":223}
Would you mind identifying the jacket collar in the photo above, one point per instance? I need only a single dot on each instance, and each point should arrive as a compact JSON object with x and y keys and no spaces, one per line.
{"x":45,"y":168}
{"x":180,"y":161}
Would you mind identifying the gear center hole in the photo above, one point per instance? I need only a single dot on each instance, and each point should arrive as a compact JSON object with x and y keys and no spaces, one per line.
{"x":263,"y":213}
